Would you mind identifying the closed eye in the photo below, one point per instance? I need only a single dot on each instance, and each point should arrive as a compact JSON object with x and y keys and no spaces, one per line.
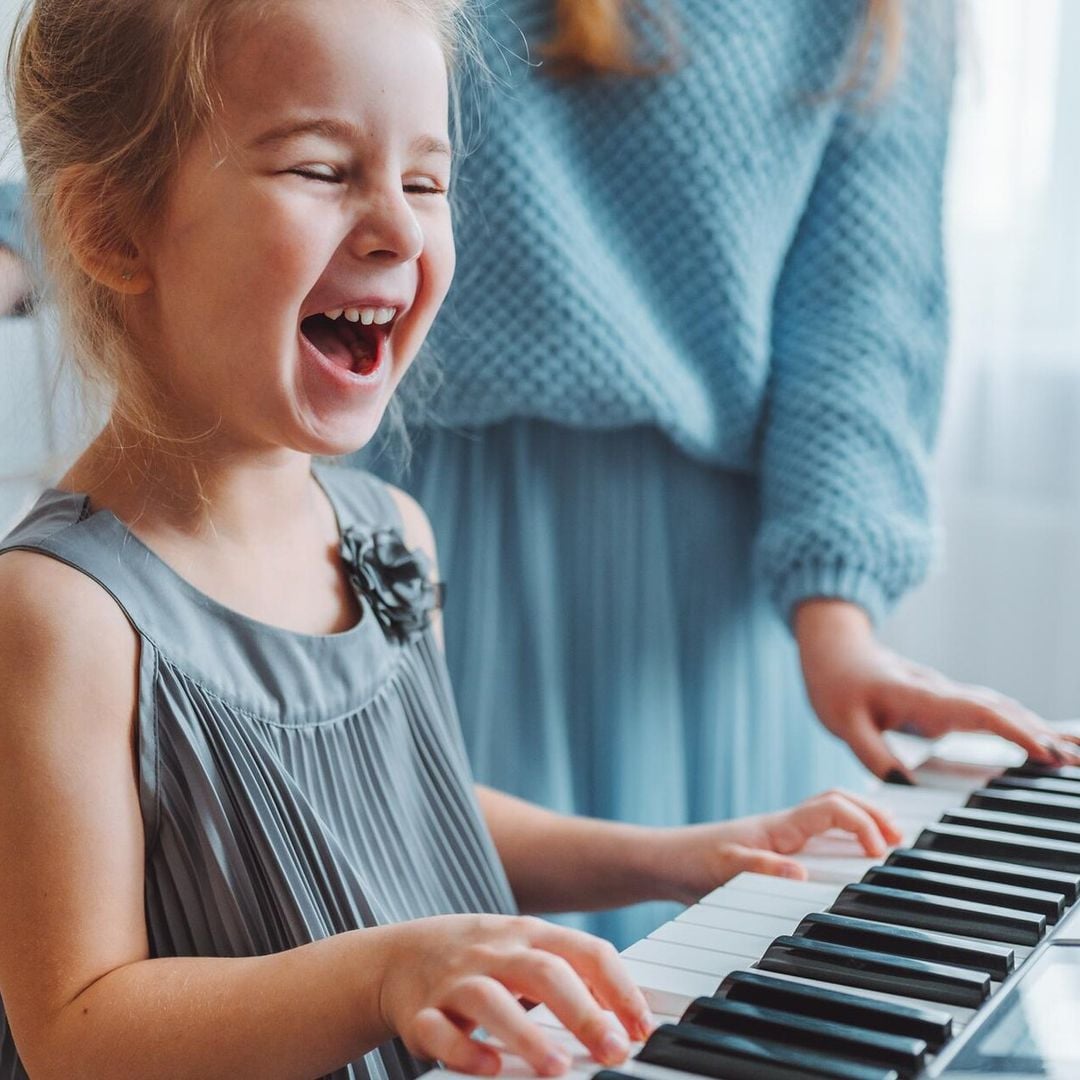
{"x":331,"y":177}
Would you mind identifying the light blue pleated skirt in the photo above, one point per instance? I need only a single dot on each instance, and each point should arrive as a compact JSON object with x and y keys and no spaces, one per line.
{"x":610,"y":651}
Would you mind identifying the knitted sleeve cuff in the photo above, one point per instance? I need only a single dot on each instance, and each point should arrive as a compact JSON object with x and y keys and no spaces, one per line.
{"x":834,"y":580}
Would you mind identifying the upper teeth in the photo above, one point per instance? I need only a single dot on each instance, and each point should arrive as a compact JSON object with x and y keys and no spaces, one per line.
{"x":368,"y":315}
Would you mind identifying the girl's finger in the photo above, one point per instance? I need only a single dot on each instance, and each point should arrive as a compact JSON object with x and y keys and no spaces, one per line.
{"x":884,"y":820}
{"x":437,"y":1038}
{"x":597,"y":962}
{"x":546,"y":977}
{"x":836,"y":811}
{"x":486,"y":1002}
{"x":760,"y":861}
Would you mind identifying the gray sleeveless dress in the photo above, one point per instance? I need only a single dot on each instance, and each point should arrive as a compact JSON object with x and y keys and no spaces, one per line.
{"x":292,"y":786}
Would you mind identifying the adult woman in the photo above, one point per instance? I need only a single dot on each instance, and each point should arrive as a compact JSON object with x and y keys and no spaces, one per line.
{"x":728,"y":351}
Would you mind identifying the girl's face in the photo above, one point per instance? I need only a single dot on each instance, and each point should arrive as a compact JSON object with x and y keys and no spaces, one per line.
{"x":319,"y":196}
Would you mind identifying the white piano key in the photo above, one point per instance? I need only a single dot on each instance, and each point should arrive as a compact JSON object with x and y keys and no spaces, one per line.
{"x":834,"y":869}
{"x":669,"y":990}
{"x":542,"y":1015}
{"x":771,"y":885}
{"x":747,"y":922}
{"x":688,"y":957}
{"x":787,"y":906}
{"x":706,"y":937}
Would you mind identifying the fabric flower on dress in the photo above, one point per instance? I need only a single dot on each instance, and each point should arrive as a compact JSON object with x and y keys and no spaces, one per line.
{"x":394,"y":581}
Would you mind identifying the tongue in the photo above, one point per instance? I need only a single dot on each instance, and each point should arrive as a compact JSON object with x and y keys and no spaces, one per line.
{"x":345,"y":344}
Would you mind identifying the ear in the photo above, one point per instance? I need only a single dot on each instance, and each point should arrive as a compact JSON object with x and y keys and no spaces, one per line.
{"x":100,"y":249}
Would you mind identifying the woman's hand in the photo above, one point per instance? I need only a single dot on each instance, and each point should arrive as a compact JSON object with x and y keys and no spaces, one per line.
{"x":449,"y":975}
{"x":695,"y":859}
{"x":859,"y":689}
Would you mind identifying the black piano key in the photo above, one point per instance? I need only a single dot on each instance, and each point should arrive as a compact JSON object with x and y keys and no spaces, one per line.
{"x":995,"y":960}
{"x":1025,"y":877}
{"x":1025,"y":824}
{"x":868,"y":970}
{"x":930,"y":1025}
{"x":906,"y":1055}
{"x":1059,"y":772}
{"x":941,"y":913}
{"x":1049,"y":785}
{"x":1050,"y":905}
{"x":1001,"y":846}
{"x":741,"y":1057}
{"x":1017,"y":801}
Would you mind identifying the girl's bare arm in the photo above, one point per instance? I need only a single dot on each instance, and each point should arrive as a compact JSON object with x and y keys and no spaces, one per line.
{"x":80,"y":992}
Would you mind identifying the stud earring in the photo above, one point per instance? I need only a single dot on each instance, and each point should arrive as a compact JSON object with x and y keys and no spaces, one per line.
{"x":127,"y":275}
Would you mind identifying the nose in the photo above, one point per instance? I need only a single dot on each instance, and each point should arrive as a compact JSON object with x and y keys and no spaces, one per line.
{"x":387,"y":229}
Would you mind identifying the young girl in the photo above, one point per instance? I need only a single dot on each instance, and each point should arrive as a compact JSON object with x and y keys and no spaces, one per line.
{"x":238,"y":835}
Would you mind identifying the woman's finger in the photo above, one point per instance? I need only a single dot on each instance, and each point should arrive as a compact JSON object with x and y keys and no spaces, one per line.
{"x":437,"y":1038}
{"x":760,"y":861}
{"x":486,"y":1002}
{"x":869,"y":746}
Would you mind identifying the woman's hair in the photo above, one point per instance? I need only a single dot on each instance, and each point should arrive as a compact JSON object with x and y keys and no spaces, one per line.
{"x":628,"y":37}
{"x":107,"y":95}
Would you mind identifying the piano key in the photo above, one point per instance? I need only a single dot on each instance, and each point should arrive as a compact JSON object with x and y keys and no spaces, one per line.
{"x":933,"y":1026}
{"x":1053,"y":772}
{"x":961,"y":1015}
{"x":905,"y":1054}
{"x":708,"y":937}
{"x":920,"y":979}
{"x":995,"y":960}
{"x":1050,"y":905}
{"x":941,"y":913}
{"x":746,"y":921}
{"x":687,"y":958}
{"x":1029,"y":877}
{"x":1047,"y":785}
{"x":740,"y":1057}
{"x":1035,"y":803}
{"x":670,"y":989}
{"x":667,"y":989}
{"x":724,"y":930}
{"x":1025,"y":824}
{"x":771,"y":885}
{"x":1001,"y":846}
{"x":792,"y":907}
{"x":834,"y":870}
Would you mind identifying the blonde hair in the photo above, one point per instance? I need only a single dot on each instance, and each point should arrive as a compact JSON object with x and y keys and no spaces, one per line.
{"x":107,"y":95}
{"x":608,"y":36}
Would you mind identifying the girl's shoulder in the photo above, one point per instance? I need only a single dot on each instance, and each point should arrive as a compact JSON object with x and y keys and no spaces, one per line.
{"x":361,"y":498}
{"x":68,"y":655}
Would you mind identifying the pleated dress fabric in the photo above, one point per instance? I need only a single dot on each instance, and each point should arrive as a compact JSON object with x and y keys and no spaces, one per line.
{"x":292,"y":786}
{"x":611,"y":652}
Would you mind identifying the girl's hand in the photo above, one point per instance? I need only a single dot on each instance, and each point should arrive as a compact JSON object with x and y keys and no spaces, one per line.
{"x":451,"y":974}
{"x":697,"y":858}
{"x":860,"y":689}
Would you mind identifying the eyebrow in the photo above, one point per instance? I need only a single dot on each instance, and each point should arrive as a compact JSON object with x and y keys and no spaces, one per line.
{"x":343,"y":131}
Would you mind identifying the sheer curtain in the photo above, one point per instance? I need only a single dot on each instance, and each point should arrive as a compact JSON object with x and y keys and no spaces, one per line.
{"x":1003,"y":606}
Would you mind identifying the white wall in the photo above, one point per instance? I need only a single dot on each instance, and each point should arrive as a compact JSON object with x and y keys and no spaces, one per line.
{"x":9,"y":162}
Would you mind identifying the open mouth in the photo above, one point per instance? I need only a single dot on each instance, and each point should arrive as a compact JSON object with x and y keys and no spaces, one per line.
{"x":349,"y":344}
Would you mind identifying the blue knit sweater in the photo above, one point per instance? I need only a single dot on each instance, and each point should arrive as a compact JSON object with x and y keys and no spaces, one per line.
{"x":728,"y":253}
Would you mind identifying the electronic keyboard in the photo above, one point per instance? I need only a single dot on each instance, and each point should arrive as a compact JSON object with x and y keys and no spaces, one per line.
{"x":957,"y":955}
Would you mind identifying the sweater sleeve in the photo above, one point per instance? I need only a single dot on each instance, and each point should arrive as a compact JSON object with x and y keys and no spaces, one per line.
{"x":859,"y":338}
